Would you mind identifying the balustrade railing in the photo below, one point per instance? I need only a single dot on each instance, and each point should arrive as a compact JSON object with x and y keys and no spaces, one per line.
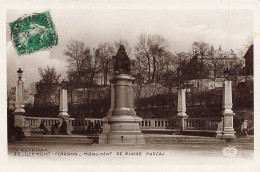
{"x":157,"y":123}
{"x":145,"y":124}
{"x":76,"y":124}
{"x":201,"y":123}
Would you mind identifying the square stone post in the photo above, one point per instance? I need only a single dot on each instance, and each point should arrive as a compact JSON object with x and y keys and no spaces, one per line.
{"x":64,"y":109}
{"x":63,"y":104}
{"x":180,"y":117}
{"x":228,"y":130}
{"x":19,"y":104}
{"x":181,"y":103}
{"x":19,"y":108}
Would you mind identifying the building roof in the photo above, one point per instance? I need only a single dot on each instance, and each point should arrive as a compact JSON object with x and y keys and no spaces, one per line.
{"x":250,"y":52}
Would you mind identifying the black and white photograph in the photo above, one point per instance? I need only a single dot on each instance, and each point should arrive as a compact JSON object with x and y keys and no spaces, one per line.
{"x":129,"y":86}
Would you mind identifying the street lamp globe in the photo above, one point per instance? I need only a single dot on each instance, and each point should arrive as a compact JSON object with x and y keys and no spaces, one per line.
{"x":227,"y":73}
{"x":19,"y":74}
{"x":63,"y":84}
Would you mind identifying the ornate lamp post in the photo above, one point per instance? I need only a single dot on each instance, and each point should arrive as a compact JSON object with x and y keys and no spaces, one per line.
{"x":228,"y":131}
{"x":63,"y":84}
{"x":226,"y":74}
{"x":19,"y":104}
{"x":19,"y":101}
{"x":19,"y":74}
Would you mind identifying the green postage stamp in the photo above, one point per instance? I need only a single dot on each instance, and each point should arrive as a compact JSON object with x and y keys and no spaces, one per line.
{"x":33,"y":33}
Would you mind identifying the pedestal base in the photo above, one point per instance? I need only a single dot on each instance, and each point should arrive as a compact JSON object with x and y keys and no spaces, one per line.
{"x":123,"y":130}
{"x":228,"y":131}
{"x":18,"y":119}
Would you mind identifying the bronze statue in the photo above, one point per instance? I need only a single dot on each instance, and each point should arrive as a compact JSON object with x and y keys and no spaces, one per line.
{"x":122,"y":61}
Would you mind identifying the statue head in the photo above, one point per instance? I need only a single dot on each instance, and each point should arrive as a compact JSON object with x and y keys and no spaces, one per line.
{"x":121,"y":47}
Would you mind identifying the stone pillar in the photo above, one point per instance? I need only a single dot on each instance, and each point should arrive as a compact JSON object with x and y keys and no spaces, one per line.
{"x":228,"y":130}
{"x":19,"y":109}
{"x":181,"y":103}
{"x":64,"y":110}
{"x":181,"y":111}
{"x":63,"y":104}
{"x":19,"y":104}
{"x":124,"y":124}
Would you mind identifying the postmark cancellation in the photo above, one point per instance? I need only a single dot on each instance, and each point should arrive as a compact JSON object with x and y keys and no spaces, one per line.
{"x":32,"y":33}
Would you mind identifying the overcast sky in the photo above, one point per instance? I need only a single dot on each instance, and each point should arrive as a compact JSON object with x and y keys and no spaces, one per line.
{"x":228,"y":28}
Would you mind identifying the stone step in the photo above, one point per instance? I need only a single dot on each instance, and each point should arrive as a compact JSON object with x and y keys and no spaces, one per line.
{"x":182,"y":141}
{"x":152,"y":136}
{"x":166,"y":139}
{"x":56,"y":139}
{"x":55,"y":142}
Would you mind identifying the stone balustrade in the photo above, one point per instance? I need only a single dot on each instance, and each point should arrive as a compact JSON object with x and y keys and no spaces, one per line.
{"x":157,"y":123}
{"x":145,"y":124}
{"x":201,"y":123}
{"x":77,"y":124}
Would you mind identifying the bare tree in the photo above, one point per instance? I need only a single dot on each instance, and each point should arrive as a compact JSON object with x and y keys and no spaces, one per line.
{"x":47,"y":84}
{"x":104,"y":54}
{"x":200,"y":47}
{"x":49,"y":75}
{"x":150,"y":53}
{"x":79,"y":55}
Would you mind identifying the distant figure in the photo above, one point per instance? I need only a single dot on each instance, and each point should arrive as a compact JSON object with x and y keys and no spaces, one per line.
{"x":122,"y":61}
{"x":90,"y":128}
{"x":243,"y":127}
{"x":63,"y":127}
{"x":44,"y":128}
{"x":55,"y":128}
{"x":98,"y":127}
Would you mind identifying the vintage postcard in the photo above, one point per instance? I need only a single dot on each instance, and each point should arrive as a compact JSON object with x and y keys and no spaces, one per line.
{"x":129,"y":86}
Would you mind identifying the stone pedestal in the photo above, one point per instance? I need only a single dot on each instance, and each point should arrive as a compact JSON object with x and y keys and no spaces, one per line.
{"x":228,"y":130}
{"x":124,"y":124}
{"x":18,"y":119}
